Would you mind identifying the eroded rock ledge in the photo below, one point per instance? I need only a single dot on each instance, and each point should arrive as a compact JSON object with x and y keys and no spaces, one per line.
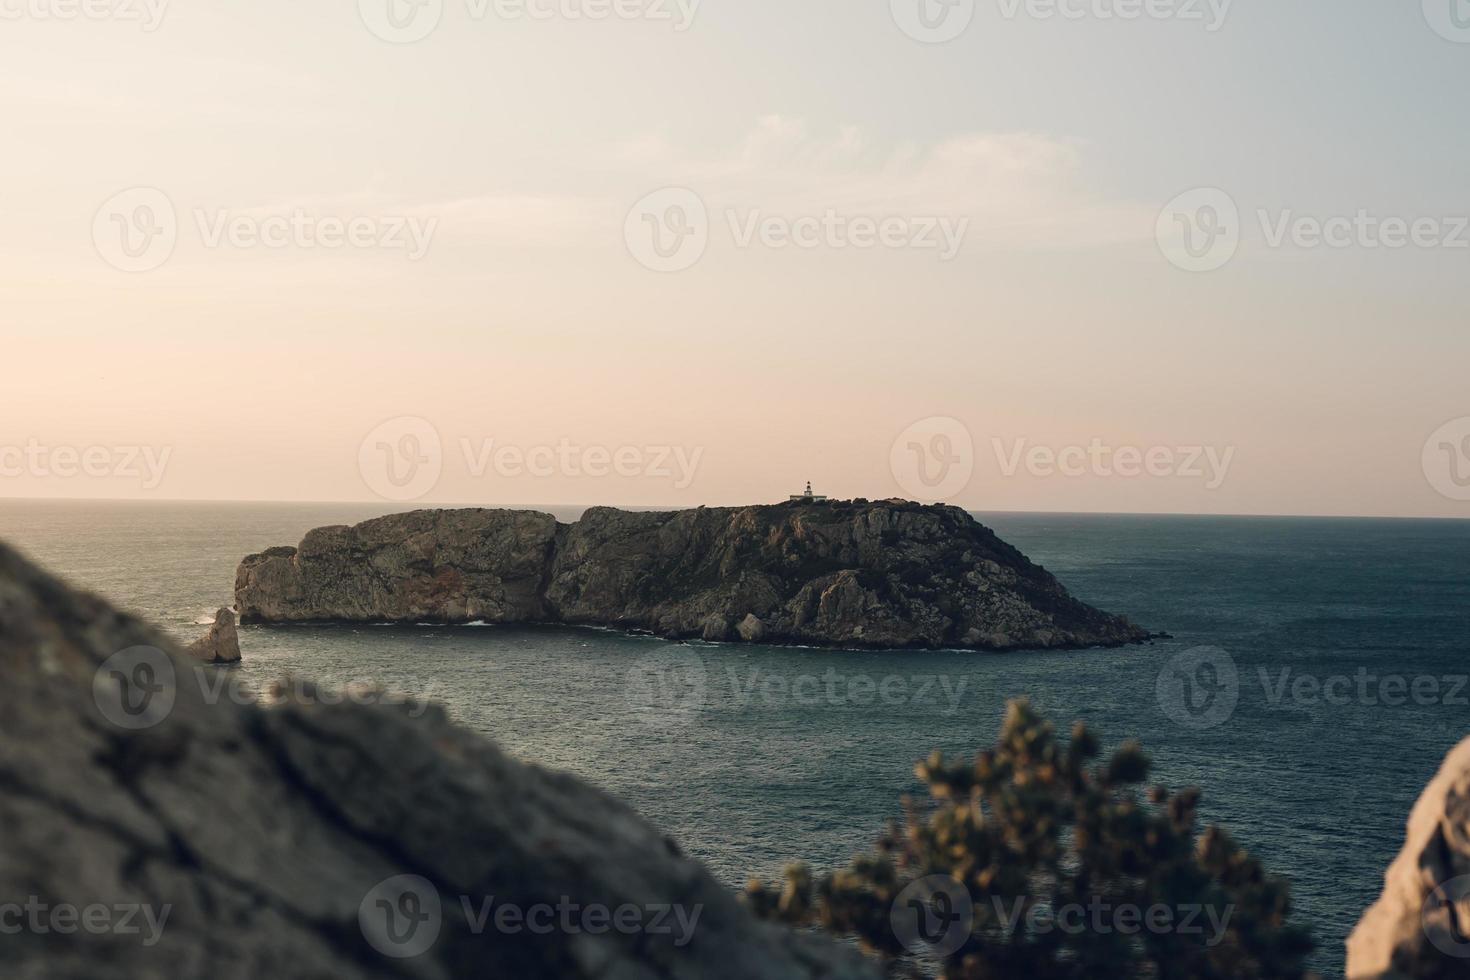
{"x":861,"y":574}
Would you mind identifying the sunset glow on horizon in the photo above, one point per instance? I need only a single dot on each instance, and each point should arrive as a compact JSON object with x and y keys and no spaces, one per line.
{"x":279,"y":269}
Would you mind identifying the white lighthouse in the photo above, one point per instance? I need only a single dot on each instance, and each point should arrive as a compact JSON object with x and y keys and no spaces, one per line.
{"x":808,"y":497}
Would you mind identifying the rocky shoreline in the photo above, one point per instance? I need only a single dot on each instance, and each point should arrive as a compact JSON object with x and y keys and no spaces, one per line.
{"x":849,"y":574}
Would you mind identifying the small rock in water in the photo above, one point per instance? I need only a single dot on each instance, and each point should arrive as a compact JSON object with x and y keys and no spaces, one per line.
{"x":221,"y":645}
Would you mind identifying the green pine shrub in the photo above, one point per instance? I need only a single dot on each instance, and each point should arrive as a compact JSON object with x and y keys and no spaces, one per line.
{"x":1037,"y":861}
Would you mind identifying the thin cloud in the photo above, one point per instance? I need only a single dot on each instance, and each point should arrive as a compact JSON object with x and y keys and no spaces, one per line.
{"x":1018,"y":189}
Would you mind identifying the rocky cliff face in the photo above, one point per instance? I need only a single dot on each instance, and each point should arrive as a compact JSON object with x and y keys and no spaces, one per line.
{"x":153,"y":829}
{"x":853,"y":574}
{"x":1419,"y":929}
{"x":445,"y":566}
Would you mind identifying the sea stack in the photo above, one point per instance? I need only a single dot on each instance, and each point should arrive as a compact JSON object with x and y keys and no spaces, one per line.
{"x":851,"y":574}
{"x":221,"y":645}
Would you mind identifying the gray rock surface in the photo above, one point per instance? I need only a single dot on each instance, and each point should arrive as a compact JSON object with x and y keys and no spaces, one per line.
{"x":855,"y":574}
{"x":260,"y":839}
{"x":221,"y":645}
{"x":751,"y":629}
{"x":1420,"y":926}
{"x":450,"y":566}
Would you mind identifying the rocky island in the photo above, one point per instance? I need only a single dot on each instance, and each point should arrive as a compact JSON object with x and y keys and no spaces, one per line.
{"x":852,"y":574}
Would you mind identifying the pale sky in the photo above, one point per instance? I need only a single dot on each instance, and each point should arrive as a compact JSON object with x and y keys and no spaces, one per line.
{"x":501,"y":295}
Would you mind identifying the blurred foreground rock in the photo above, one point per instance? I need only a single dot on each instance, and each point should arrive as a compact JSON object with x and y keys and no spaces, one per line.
{"x":1420,"y":926}
{"x":148,"y":832}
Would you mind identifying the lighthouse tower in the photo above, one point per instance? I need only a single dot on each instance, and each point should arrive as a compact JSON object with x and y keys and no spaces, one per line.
{"x":808,"y":497}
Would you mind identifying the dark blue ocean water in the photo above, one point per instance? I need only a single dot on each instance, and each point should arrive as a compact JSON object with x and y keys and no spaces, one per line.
{"x":774,"y":754}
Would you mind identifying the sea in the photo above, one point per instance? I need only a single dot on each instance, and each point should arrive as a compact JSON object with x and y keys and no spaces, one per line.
{"x":1313,"y":683}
